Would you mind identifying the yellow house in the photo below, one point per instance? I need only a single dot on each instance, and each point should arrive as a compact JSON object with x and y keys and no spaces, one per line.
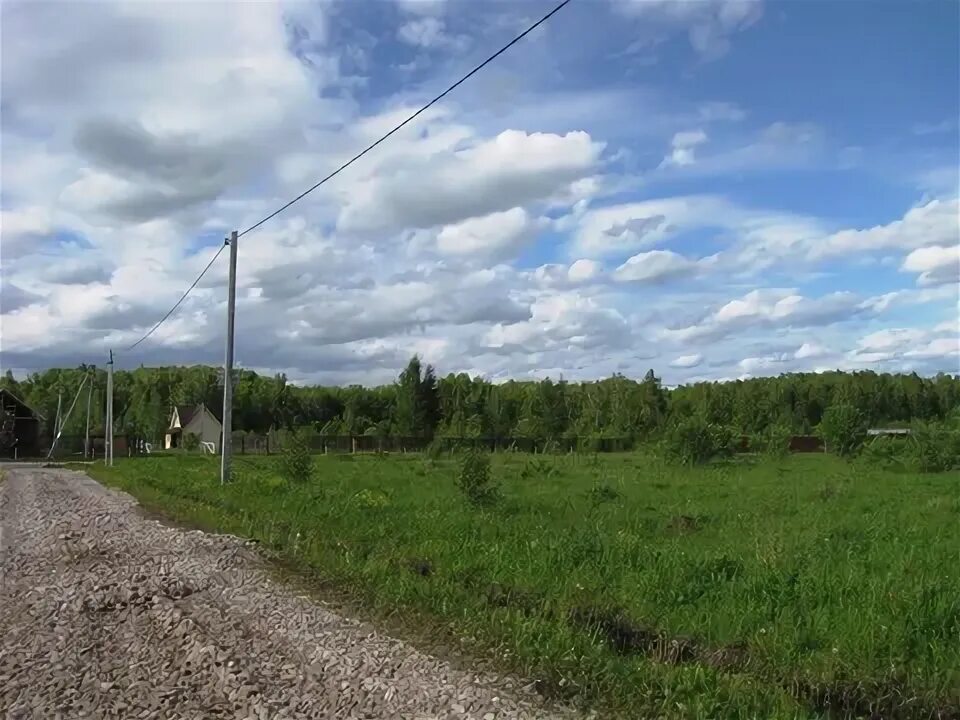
{"x":196,"y":420}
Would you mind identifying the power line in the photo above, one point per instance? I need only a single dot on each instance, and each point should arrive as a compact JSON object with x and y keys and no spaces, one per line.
{"x":356,"y":157}
{"x":182,"y":298}
{"x":426,"y":107}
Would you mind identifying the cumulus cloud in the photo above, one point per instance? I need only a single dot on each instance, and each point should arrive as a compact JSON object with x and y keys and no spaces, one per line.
{"x":687,"y":361}
{"x":583,"y":270}
{"x":654,"y":267}
{"x":770,"y":308}
{"x":500,"y":234}
{"x":932,"y":223}
{"x":936,"y":264}
{"x":494,"y":175}
{"x":810,"y":350}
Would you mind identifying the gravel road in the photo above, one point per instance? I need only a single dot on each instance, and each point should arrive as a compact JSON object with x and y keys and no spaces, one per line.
{"x":107,"y":614}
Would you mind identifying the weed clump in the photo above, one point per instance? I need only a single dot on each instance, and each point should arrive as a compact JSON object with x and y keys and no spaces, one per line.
{"x":600,"y":494}
{"x":475,"y":481}
{"x":295,"y":463}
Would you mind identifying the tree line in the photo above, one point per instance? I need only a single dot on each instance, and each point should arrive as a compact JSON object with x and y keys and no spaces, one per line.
{"x":421,"y":404}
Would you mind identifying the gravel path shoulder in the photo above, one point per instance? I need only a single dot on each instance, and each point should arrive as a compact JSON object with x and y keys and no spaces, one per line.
{"x":107,"y":614}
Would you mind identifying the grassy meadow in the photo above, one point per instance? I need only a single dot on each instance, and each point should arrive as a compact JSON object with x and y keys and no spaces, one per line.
{"x":797,"y":588}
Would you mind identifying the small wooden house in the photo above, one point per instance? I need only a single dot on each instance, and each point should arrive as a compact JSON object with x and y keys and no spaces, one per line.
{"x":197,"y":420}
{"x":21,"y":427}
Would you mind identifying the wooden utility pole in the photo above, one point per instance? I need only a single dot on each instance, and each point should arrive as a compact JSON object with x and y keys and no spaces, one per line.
{"x":226,"y":442}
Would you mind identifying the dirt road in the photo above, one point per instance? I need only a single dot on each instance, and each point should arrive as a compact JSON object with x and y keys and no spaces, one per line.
{"x":107,"y":614}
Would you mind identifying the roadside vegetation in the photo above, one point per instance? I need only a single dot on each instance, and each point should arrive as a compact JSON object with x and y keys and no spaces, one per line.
{"x":674,"y":584}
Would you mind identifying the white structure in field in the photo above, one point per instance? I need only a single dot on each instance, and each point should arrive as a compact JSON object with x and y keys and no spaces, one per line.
{"x":196,"y":420}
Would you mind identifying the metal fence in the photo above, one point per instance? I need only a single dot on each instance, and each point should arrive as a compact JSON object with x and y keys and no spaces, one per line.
{"x":251,"y":444}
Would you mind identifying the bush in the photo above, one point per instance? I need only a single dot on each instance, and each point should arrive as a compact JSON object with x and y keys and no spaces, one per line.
{"x":843,"y":429}
{"x":474,"y":480}
{"x":935,"y":448}
{"x":191,"y":442}
{"x":295,"y":463}
{"x":694,"y":441}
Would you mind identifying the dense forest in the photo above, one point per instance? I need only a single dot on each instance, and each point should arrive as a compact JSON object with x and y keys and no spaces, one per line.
{"x":421,"y":404}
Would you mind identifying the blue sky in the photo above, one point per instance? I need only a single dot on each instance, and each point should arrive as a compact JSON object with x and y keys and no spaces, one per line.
{"x":717,"y":188}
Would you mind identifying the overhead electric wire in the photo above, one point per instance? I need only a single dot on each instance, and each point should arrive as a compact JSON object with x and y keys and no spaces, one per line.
{"x":182,"y":298}
{"x":356,"y":157}
{"x":419,"y":112}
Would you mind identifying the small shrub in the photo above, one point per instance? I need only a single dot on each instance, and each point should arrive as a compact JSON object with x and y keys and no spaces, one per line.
{"x":474,"y":480}
{"x":694,"y":441}
{"x":191,"y":442}
{"x":295,"y":463}
{"x":935,"y":448}
{"x":843,"y":429}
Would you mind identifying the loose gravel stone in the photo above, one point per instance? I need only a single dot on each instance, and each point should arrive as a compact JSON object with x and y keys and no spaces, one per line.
{"x":107,"y":614}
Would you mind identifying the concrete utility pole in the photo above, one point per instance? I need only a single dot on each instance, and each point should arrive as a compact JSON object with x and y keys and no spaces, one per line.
{"x":108,"y":423}
{"x":86,"y":434}
{"x":226,"y":442}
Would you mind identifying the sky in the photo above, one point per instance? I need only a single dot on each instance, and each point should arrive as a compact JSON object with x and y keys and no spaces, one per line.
{"x":716,"y":189}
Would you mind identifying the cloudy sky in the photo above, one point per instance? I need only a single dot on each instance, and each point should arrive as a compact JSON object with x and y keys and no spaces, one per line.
{"x":712,"y":188}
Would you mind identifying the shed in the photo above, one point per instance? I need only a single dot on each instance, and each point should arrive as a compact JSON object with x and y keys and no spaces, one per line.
{"x":21,"y":427}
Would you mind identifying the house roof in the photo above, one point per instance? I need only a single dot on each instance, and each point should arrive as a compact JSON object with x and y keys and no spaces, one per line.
{"x":186,"y":413}
{"x":5,"y":391}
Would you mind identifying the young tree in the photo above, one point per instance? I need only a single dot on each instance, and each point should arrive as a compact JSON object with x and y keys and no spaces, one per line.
{"x":843,"y":429}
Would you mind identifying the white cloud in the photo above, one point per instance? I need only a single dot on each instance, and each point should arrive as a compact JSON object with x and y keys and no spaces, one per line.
{"x":687,"y":361}
{"x":769,"y":308}
{"x":936,"y":264}
{"x":933,"y":223}
{"x":708,"y":23}
{"x":583,"y":270}
{"x":810,"y":350}
{"x":428,"y":33}
{"x":684,"y":146}
{"x":890,"y":339}
{"x":499,"y":234}
{"x":493,"y":175}
{"x":654,"y":266}
{"x":936,"y":348}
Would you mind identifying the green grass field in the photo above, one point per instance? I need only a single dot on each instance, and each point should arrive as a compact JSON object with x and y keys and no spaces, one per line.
{"x":800,"y":588}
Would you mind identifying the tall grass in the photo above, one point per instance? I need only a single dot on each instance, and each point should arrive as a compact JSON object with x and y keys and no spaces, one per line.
{"x":783,"y":588}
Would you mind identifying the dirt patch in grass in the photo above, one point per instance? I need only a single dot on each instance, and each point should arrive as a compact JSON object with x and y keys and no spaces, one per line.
{"x":420,"y":566}
{"x":683,"y":524}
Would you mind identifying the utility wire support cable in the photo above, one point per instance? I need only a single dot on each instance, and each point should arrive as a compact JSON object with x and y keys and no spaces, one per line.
{"x":419,"y":112}
{"x":182,"y":298}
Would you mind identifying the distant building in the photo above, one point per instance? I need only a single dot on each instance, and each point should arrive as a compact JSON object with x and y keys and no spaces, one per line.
{"x":193,"y":419}
{"x":21,"y":427}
